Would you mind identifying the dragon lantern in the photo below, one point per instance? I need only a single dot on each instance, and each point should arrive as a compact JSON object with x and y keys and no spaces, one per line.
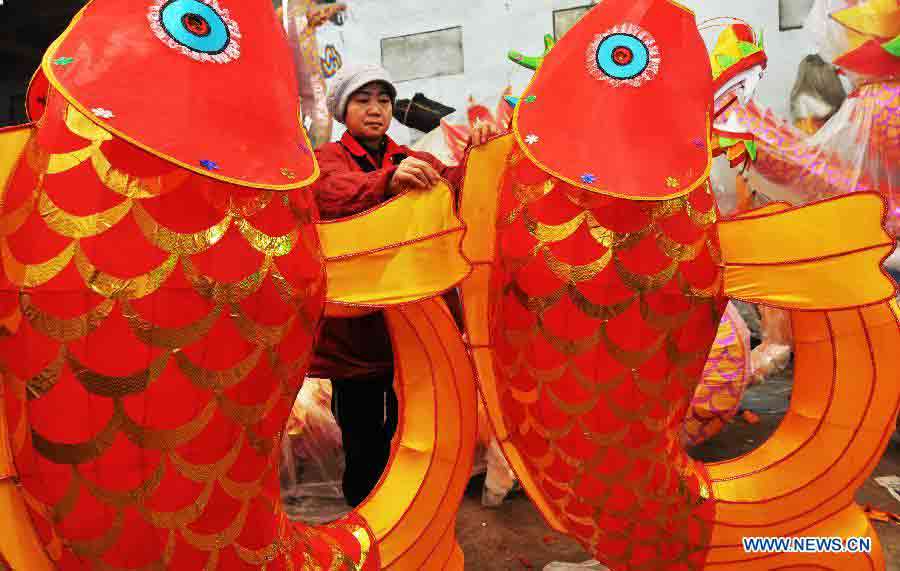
{"x":858,"y":149}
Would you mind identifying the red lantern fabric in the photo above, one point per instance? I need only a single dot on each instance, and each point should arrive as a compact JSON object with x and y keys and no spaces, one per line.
{"x":159,"y":301}
{"x":141,"y":70}
{"x":158,"y":327}
{"x":643,"y":101}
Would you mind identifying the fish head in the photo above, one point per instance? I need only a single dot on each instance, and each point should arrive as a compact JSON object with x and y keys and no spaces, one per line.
{"x":623,"y":104}
{"x":205,"y":84}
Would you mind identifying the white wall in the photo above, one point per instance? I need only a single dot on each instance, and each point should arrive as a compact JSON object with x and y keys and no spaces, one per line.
{"x":492,"y":27}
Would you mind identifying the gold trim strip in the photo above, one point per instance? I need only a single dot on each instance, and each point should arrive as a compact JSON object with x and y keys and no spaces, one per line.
{"x":269,"y":245}
{"x":169,"y":337}
{"x":183,"y":244}
{"x":217,"y":381}
{"x":11,"y":221}
{"x":128,"y":288}
{"x":34,"y":275}
{"x":220,"y":292}
{"x":61,"y":329}
{"x":117,"y":386}
{"x":72,"y":226}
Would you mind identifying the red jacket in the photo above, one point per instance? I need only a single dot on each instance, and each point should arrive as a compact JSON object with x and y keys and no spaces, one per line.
{"x":351,"y":182}
{"x":344,"y":188}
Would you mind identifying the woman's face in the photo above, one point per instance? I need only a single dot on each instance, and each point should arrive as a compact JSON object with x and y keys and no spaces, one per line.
{"x":369,"y":112}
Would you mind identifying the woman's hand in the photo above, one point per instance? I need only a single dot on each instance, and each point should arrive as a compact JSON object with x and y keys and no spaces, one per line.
{"x":481,"y":133}
{"x":411,"y":174}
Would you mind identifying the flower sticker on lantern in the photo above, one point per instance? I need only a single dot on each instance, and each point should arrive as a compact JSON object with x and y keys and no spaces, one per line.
{"x":625,"y":55}
{"x":201,"y":30}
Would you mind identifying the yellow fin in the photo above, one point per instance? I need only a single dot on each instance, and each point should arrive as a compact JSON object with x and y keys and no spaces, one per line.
{"x":406,"y":250}
{"x":879,"y":18}
{"x":20,"y":545}
{"x":485,"y":168}
{"x":825,"y":255}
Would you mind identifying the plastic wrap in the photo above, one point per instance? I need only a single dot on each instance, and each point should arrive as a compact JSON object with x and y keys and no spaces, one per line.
{"x":313,"y":458}
{"x":302,"y":19}
{"x":856,"y":150}
{"x":774,"y":353}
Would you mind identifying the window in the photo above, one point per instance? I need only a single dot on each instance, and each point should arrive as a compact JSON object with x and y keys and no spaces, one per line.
{"x":563,"y":20}
{"x":428,"y":54}
{"x":792,"y":13}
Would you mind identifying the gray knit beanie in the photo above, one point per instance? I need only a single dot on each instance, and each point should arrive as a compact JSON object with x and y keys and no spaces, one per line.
{"x":349,"y":79}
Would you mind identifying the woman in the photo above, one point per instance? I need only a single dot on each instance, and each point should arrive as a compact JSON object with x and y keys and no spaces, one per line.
{"x":359,"y":172}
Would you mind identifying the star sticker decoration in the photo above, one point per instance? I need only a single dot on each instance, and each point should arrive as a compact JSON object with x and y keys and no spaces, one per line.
{"x":102,"y":113}
{"x":672,"y":182}
{"x":209,"y":165}
{"x":588,"y":178}
{"x":531,"y":138}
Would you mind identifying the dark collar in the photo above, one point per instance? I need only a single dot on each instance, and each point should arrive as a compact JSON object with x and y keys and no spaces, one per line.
{"x":357,"y":150}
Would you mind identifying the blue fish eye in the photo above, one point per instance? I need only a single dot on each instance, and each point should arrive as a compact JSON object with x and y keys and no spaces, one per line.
{"x":196,"y":26}
{"x":622,"y":56}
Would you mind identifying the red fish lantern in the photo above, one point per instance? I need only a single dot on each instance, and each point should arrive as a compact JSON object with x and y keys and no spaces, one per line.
{"x":162,"y":282}
{"x":602,"y":269}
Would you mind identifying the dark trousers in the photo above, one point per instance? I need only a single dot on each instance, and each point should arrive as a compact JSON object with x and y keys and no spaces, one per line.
{"x":366,"y":411}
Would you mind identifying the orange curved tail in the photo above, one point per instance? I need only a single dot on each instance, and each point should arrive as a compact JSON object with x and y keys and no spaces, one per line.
{"x":822,"y":263}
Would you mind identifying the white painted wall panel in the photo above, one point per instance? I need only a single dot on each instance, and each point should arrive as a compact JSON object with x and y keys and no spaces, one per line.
{"x":423,"y":55}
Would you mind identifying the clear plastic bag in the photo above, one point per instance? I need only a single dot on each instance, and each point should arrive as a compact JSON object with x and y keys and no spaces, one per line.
{"x":313,"y":457}
{"x":500,"y":478}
